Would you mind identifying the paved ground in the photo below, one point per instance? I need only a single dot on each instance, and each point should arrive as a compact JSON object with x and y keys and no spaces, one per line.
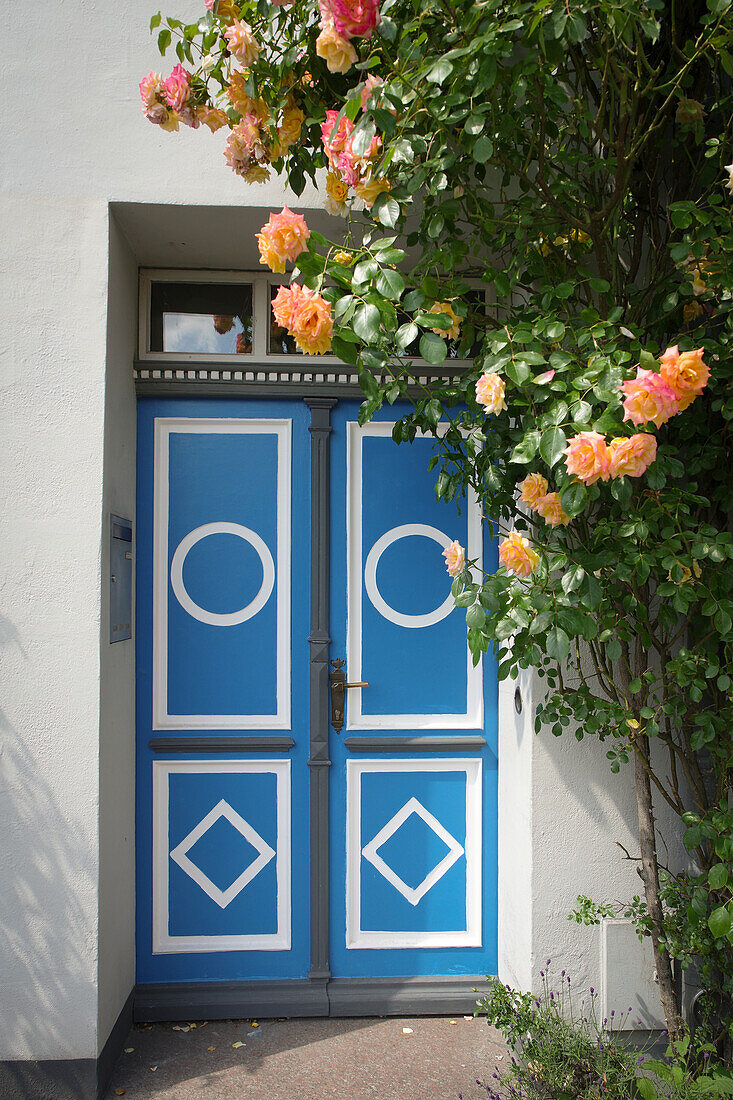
{"x":352,"y":1059}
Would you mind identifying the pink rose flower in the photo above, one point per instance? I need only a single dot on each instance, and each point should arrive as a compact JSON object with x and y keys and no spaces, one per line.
{"x":534,"y":487}
{"x":455,"y":558}
{"x":282,"y":238}
{"x":631,"y":457}
{"x":648,"y":398}
{"x":517,"y":556}
{"x":306,"y":315}
{"x":545,"y":378}
{"x":334,"y":144}
{"x":685,"y":374}
{"x":490,"y":391}
{"x":370,"y":84}
{"x":551,"y":510}
{"x":352,"y":17}
{"x":242,"y":43}
{"x":587,"y":457}
{"x":151,"y":90}
{"x":178,"y":88}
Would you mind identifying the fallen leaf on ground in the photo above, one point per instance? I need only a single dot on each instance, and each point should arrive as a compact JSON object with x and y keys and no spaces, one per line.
{"x":183,"y":1027}
{"x":237,"y":1045}
{"x":203,"y":1024}
{"x":119,"y":1092}
{"x":407,"y":1031}
{"x":453,"y":1022}
{"x":153,"y":1069}
{"x":129,"y":1050}
{"x":469,"y":1017}
{"x":254,"y":1023}
{"x":211,"y":1048}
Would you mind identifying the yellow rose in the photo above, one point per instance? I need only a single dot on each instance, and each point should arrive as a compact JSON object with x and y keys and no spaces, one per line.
{"x":534,"y":487}
{"x":370,"y":189}
{"x":336,"y":51}
{"x":289,"y":129}
{"x":336,"y":188}
{"x":445,"y":307}
{"x":517,"y":555}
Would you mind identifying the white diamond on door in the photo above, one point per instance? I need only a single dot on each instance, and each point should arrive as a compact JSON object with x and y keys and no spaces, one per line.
{"x":371,"y":851}
{"x":265,"y":854}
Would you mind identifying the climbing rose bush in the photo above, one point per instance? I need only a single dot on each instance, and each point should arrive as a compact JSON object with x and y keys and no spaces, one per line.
{"x":532,"y":242}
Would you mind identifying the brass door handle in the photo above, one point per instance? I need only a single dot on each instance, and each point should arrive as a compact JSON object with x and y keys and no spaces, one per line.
{"x":337,"y":680}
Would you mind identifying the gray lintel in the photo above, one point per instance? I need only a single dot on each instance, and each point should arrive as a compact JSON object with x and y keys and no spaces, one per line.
{"x":221,"y":744}
{"x":414,"y":744}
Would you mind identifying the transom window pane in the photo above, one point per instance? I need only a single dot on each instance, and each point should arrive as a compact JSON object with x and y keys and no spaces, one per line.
{"x":201,"y":318}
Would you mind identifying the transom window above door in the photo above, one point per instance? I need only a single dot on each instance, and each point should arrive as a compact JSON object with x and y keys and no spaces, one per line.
{"x":225,"y":318}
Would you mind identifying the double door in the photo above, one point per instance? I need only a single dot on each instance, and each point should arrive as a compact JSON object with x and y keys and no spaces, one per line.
{"x":283,"y":549}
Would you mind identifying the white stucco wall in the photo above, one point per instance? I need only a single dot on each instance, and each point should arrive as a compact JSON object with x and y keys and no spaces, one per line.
{"x":67,"y":312}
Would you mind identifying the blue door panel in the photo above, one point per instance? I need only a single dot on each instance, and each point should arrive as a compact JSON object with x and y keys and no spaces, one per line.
{"x":413,"y":835}
{"x":221,"y":600}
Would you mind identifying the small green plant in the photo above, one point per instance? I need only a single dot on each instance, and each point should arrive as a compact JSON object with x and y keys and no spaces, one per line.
{"x":679,"y":1078}
{"x":559,"y":1052}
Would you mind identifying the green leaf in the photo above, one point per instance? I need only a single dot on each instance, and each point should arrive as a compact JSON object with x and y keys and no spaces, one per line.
{"x":440,"y":71}
{"x":590,"y":592}
{"x":366,"y":322}
{"x":483,"y":149}
{"x":475,"y":617}
{"x":722,"y":621}
{"x":558,"y":644}
{"x":164,"y":40}
{"x":387,"y":211}
{"x":574,"y":497}
{"x":390,"y":284}
{"x":526,"y":449}
{"x":405,"y":335}
{"x":155,"y":21}
{"x":362,"y":137}
{"x":646,"y":1089}
{"x":552,"y":445}
{"x":717,"y":876}
{"x":474,"y":125}
{"x":622,"y":491}
{"x":433,"y":348}
{"x":719,"y":922}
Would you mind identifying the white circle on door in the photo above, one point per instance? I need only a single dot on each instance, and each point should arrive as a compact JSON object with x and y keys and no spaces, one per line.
{"x":231,"y":618}
{"x":370,"y":576}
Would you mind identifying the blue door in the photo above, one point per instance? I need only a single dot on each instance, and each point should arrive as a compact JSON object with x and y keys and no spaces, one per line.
{"x":270,"y":847}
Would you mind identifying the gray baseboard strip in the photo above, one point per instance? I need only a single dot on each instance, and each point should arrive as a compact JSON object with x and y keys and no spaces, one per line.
{"x":229,"y":1000}
{"x":336,"y":997}
{"x":404,"y":996}
{"x":67,"y":1078}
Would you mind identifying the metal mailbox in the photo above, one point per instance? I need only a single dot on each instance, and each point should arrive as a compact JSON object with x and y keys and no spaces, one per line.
{"x":120,"y":579}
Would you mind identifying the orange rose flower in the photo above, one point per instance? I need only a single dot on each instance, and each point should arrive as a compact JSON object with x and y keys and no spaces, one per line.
{"x":534,"y":487}
{"x":455,"y":557}
{"x":282,"y":238}
{"x":337,"y":51}
{"x":685,"y":374}
{"x":311,"y":323}
{"x":551,"y":510}
{"x":631,"y":457}
{"x":517,"y":555}
{"x":587,"y":457}
{"x":490,"y":391}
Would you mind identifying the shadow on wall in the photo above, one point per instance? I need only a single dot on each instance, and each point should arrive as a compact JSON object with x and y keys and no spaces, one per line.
{"x":46,"y":867}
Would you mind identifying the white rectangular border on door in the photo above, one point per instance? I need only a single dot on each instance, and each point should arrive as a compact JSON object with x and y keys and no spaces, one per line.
{"x":164,"y":428}
{"x":357,"y":718}
{"x":470,"y":936}
{"x":163,"y":942}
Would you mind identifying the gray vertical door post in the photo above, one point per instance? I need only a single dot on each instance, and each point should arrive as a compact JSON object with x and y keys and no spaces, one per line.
{"x":319,"y":639}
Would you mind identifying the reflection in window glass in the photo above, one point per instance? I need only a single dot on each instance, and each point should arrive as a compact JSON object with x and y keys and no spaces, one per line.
{"x":201,"y":318}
